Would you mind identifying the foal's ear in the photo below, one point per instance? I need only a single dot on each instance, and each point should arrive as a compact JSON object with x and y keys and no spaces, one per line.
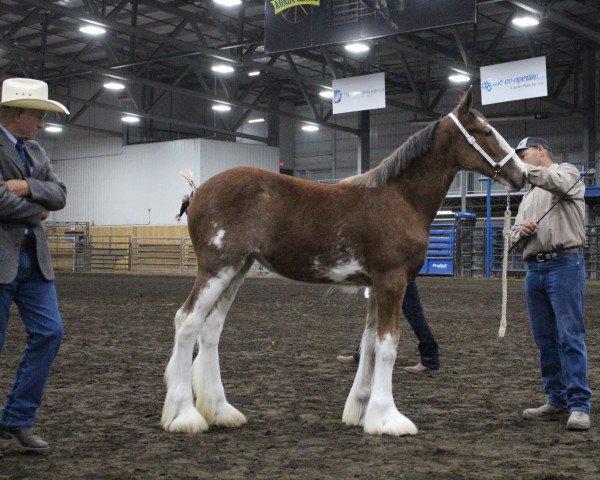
{"x":466,"y":102}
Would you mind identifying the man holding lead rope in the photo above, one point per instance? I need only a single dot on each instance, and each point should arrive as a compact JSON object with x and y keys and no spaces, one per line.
{"x":549,"y":227}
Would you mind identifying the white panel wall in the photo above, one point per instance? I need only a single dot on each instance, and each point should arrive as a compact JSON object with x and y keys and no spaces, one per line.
{"x":142,"y":185}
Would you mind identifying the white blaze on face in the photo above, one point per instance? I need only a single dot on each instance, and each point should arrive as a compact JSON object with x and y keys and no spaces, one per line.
{"x":217,"y":240}
{"x":507,"y":148}
{"x":504,"y":145}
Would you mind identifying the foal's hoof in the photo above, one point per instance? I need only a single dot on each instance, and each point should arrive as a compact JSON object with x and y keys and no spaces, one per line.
{"x":188,"y":421}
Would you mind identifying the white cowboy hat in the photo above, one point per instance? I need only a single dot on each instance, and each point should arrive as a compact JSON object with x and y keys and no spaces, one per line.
{"x":29,"y":93}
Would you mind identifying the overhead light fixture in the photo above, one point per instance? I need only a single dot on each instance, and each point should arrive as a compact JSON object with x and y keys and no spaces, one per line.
{"x":357,"y":47}
{"x":222,"y":68}
{"x":458,"y":78}
{"x":221,"y":107}
{"x":525,"y":21}
{"x":92,"y":29}
{"x":310,"y":128}
{"x":128,"y":118}
{"x":53,"y":128}
{"x":445,"y":212}
{"x":326,"y":93}
{"x":254,"y":73}
{"x":256,"y":120}
{"x":228,"y":3}
{"x":114,"y":85}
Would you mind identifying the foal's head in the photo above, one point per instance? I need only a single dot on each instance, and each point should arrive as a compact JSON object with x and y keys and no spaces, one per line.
{"x":502,"y":163}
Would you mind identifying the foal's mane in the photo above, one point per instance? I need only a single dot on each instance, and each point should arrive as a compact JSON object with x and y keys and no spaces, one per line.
{"x":415,"y":147}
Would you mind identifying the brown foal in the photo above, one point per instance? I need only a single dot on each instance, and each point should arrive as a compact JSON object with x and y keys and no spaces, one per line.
{"x":370,"y":230}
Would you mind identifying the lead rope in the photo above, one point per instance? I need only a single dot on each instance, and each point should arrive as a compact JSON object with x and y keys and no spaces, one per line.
{"x":506,"y":234}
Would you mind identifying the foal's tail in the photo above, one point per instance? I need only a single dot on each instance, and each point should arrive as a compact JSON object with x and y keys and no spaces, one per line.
{"x":189,"y":176}
{"x":185,"y":201}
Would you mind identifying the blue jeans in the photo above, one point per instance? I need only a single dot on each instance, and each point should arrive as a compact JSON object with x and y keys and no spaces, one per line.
{"x":37,"y":304}
{"x":555,"y":293}
{"x":413,"y":312}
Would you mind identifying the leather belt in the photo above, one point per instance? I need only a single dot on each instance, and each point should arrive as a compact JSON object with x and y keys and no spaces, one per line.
{"x":551,"y":254}
{"x":28,"y":242}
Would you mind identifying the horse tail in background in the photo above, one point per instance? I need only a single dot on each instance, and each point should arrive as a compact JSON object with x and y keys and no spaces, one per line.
{"x":185,"y":201}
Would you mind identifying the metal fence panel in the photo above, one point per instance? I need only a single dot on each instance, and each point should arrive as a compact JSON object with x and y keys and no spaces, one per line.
{"x":120,"y":253}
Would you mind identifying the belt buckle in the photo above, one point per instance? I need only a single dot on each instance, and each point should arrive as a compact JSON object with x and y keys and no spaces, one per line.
{"x":544,"y":257}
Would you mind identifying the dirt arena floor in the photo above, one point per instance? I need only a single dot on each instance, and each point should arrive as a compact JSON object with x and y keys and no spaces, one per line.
{"x":102,"y":407}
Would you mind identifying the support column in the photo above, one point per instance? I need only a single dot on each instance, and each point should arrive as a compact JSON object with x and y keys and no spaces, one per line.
{"x":364,"y":144}
{"x":463,"y":190}
{"x":273,"y":120}
{"x":589,"y":103}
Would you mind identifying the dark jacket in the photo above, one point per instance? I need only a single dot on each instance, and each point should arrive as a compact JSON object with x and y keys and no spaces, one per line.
{"x":16,"y":213}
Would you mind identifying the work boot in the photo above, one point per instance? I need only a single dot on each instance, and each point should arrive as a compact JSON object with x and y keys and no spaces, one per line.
{"x":26,"y":438}
{"x":347,"y":360}
{"x":418,"y":368}
{"x":545,"y":412}
{"x":578,"y":421}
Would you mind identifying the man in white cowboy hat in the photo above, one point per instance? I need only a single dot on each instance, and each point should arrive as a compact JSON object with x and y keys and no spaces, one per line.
{"x":29,"y":189}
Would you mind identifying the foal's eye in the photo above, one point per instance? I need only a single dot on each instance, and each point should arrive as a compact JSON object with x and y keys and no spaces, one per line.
{"x":487,"y":132}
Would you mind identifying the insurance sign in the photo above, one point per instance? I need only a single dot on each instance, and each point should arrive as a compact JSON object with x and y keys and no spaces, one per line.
{"x":514,"y":81}
{"x":353,"y":94}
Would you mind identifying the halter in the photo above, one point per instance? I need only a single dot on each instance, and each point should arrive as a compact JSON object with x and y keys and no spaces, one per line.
{"x":471,"y":139}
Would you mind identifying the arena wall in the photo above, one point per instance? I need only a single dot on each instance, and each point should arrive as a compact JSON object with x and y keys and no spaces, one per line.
{"x":143,"y":180}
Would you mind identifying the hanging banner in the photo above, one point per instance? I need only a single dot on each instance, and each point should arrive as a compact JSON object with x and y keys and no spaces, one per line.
{"x":295,"y":24}
{"x":353,"y":94}
{"x":514,"y":81}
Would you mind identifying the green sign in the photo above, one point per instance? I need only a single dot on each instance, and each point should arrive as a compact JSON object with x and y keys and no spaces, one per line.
{"x":281,"y":5}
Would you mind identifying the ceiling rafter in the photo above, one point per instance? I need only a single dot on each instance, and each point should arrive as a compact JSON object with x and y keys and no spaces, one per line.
{"x":182,"y":91}
{"x":172,"y":44}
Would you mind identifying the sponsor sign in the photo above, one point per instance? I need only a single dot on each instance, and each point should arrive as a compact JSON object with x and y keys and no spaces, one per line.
{"x":353,"y":94}
{"x":514,"y":81}
{"x":295,"y":24}
{"x":281,"y":5}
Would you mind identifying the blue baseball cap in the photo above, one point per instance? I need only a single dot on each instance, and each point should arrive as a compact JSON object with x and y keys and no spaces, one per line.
{"x":528,"y":142}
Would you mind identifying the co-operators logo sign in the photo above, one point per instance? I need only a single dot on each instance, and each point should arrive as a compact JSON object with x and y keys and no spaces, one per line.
{"x":514,"y":81}
{"x":519,"y":81}
{"x":337,"y":96}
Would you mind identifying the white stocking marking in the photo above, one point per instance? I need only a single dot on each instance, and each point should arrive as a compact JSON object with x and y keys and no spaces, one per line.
{"x":179,"y":414}
{"x":382,"y":416}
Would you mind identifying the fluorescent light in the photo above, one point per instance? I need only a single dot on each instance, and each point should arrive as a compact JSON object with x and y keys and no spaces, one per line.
{"x":254,"y":73}
{"x":222,"y":68}
{"x":357,"y":47}
{"x":228,"y":3}
{"x":310,"y":128}
{"x":114,"y":85}
{"x":221,"y":108}
{"x":128,"y":118}
{"x":525,"y":21}
{"x":256,"y":120}
{"x":445,"y":212}
{"x":92,"y":29}
{"x":458,"y":78}
{"x":53,"y":128}
{"x":326,"y":93}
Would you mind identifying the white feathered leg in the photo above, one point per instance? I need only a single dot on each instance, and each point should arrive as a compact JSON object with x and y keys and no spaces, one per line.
{"x":206,"y":374}
{"x":358,"y":398}
{"x":382,"y":416}
{"x":179,"y":414}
